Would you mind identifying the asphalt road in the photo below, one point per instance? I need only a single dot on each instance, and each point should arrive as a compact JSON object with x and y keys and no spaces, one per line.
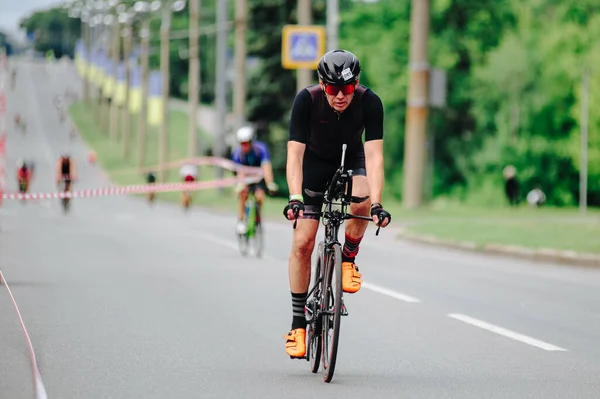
{"x":122,"y":300}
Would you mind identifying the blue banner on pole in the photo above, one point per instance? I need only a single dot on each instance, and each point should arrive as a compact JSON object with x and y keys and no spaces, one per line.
{"x":136,"y":52}
{"x":121,"y":72}
{"x":133,"y":59}
{"x":135,"y":77}
{"x":100,"y":59}
{"x":155,"y":84}
{"x":109,"y":67}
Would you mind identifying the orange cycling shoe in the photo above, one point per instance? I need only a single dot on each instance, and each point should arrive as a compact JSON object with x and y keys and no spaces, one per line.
{"x":296,"y":343}
{"x":351,"y":278}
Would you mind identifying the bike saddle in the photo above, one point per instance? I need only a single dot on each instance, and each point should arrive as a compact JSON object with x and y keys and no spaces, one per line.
{"x":358,"y":200}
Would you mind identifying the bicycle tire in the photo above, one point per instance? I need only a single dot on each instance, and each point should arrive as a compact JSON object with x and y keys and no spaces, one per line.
{"x":332,"y":322}
{"x":258,"y":237}
{"x":243,"y":239}
{"x":65,"y":205}
{"x":258,"y":241}
{"x":243,"y":244}
{"x":315,"y":326}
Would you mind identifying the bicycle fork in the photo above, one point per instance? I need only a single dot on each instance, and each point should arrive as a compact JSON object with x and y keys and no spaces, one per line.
{"x":314,"y":312}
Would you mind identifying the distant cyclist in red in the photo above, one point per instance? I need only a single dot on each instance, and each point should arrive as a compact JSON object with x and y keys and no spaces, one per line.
{"x":24,"y":174}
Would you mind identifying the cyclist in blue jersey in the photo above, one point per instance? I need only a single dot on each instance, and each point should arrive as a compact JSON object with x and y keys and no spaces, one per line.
{"x":252,"y":152}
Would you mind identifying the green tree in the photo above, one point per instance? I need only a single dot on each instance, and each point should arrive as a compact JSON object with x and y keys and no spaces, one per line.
{"x":462,"y":32}
{"x":53,"y":30}
{"x":528,"y":103}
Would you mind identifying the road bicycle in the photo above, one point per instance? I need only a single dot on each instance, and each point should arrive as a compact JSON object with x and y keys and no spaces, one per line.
{"x":325,"y":299}
{"x":66,"y":200}
{"x":254,"y":232}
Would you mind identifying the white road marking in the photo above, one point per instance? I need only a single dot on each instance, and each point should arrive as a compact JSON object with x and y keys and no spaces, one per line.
{"x":373,"y":287}
{"x":390,"y":293}
{"x":220,"y":241}
{"x":506,"y":333}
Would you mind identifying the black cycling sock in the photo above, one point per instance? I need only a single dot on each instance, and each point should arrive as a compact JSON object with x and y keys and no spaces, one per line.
{"x":351,"y":246}
{"x":298,"y":302}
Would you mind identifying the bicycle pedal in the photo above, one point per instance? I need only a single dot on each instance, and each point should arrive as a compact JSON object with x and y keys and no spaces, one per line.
{"x":344,"y":310}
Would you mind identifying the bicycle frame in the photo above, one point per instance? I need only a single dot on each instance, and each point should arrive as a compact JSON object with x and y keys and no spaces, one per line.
{"x":252,"y":221}
{"x":252,"y":211}
{"x":334,"y":218}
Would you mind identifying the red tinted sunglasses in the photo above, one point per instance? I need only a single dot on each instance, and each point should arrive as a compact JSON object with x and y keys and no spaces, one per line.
{"x":334,"y":90}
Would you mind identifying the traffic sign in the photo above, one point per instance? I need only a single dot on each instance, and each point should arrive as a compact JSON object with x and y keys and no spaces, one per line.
{"x":302,"y":46}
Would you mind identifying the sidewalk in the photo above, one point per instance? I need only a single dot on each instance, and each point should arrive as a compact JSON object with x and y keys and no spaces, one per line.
{"x":543,"y":254}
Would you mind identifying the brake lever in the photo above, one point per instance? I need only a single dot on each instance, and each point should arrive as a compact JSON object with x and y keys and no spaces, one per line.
{"x":379,"y":224}
{"x":296,"y":212}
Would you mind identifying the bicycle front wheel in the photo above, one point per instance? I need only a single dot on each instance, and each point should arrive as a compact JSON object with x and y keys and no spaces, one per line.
{"x":244,"y":239}
{"x":243,"y":244}
{"x":258,"y":240}
{"x":332,"y":305}
{"x":65,"y":204}
{"x":314,"y":330}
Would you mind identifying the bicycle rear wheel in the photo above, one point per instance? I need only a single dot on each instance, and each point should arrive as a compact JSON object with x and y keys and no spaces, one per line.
{"x":332,"y":304}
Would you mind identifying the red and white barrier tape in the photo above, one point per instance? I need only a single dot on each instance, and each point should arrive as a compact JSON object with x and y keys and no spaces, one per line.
{"x":39,"y":388}
{"x":200,"y":161}
{"x":3,"y":123}
{"x":135,"y":189}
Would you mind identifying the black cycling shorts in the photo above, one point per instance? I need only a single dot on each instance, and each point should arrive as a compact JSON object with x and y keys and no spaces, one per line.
{"x":261,"y":185}
{"x":317,"y":173}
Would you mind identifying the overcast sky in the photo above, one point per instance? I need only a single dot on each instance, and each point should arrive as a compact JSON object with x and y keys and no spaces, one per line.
{"x":11,"y":11}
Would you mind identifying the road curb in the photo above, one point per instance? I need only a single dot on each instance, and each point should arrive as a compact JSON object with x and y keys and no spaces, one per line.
{"x":542,"y":254}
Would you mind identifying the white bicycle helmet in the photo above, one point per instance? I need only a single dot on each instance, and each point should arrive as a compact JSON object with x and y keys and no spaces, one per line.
{"x":245,"y":134}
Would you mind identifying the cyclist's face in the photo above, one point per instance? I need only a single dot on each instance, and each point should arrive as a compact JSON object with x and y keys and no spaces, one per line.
{"x":246,"y":146}
{"x":339,"y":97}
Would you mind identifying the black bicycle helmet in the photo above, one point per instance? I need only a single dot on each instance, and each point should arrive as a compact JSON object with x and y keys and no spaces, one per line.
{"x":338,"y":67}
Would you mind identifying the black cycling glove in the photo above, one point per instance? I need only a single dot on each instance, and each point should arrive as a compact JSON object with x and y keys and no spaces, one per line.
{"x":382,"y":214}
{"x":295,"y":205}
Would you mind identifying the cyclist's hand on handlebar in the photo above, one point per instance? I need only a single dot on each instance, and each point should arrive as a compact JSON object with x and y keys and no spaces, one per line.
{"x":239,"y":187}
{"x":380,"y":216}
{"x":294,"y":209}
{"x":272,"y":187}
